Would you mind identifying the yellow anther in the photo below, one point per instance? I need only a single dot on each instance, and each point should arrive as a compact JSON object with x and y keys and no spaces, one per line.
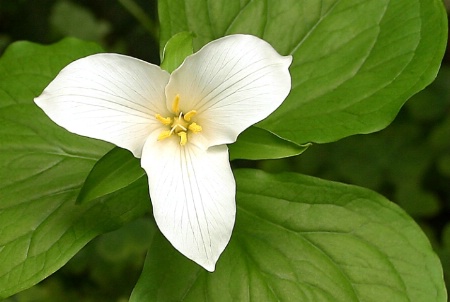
{"x":195,"y":128}
{"x":180,"y":124}
{"x":176,"y":104}
{"x":183,"y":138}
{"x":164,"y":134}
{"x":189,"y":115}
{"x":164,"y":120}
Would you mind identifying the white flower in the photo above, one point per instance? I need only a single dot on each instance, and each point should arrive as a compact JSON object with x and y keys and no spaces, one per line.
{"x":179,"y":125}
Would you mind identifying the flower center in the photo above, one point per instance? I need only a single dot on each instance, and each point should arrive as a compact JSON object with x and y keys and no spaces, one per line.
{"x":180,"y":123}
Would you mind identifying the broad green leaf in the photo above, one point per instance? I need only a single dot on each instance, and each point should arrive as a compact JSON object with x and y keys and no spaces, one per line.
{"x":176,"y":50}
{"x":355,"y":62}
{"x":256,"y":143}
{"x":42,"y":168}
{"x":114,"y":171}
{"x":299,"y":238}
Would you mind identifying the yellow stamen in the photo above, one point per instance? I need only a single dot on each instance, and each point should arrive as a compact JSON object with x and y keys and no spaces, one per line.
{"x":195,"y":128}
{"x":164,"y":134}
{"x":189,"y":115}
{"x":180,"y":124}
{"x":183,"y":138}
{"x":176,"y":104}
{"x":164,"y":120}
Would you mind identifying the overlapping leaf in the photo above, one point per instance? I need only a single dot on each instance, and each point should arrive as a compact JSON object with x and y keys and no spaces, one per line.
{"x":299,"y":238}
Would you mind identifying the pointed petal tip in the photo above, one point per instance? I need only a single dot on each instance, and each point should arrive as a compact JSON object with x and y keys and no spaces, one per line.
{"x":211,"y":267}
{"x":209,"y":264}
{"x":39,"y":99}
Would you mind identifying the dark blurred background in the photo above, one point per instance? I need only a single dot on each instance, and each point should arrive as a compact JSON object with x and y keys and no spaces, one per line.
{"x":123,"y":26}
{"x":408,"y":162}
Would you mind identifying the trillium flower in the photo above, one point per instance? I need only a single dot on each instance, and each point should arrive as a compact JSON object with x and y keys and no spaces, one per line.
{"x":179,"y":125}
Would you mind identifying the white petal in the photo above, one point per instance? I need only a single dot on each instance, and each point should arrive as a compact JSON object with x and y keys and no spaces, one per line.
{"x":109,"y":97}
{"x":232,"y":82}
{"x":193,"y":197}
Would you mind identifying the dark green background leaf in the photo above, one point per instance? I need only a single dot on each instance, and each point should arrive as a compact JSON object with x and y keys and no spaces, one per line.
{"x":42,"y":168}
{"x":299,"y":238}
{"x":355,"y":62}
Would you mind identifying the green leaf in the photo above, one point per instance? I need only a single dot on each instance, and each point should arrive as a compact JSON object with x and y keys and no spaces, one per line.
{"x":42,"y":168}
{"x":256,"y":143}
{"x":176,"y":50}
{"x":114,"y":171}
{"x":299,"y":238}
{"x":355,"y":62}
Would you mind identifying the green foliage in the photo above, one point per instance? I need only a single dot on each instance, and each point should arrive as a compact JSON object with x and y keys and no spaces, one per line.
{"x":299,"y":238}
{"x":96,"y":273}
{"x":403,"y":161}
{"x":42,"y":169}
{"x":355,"y":62}
{"x":296,"y":238}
